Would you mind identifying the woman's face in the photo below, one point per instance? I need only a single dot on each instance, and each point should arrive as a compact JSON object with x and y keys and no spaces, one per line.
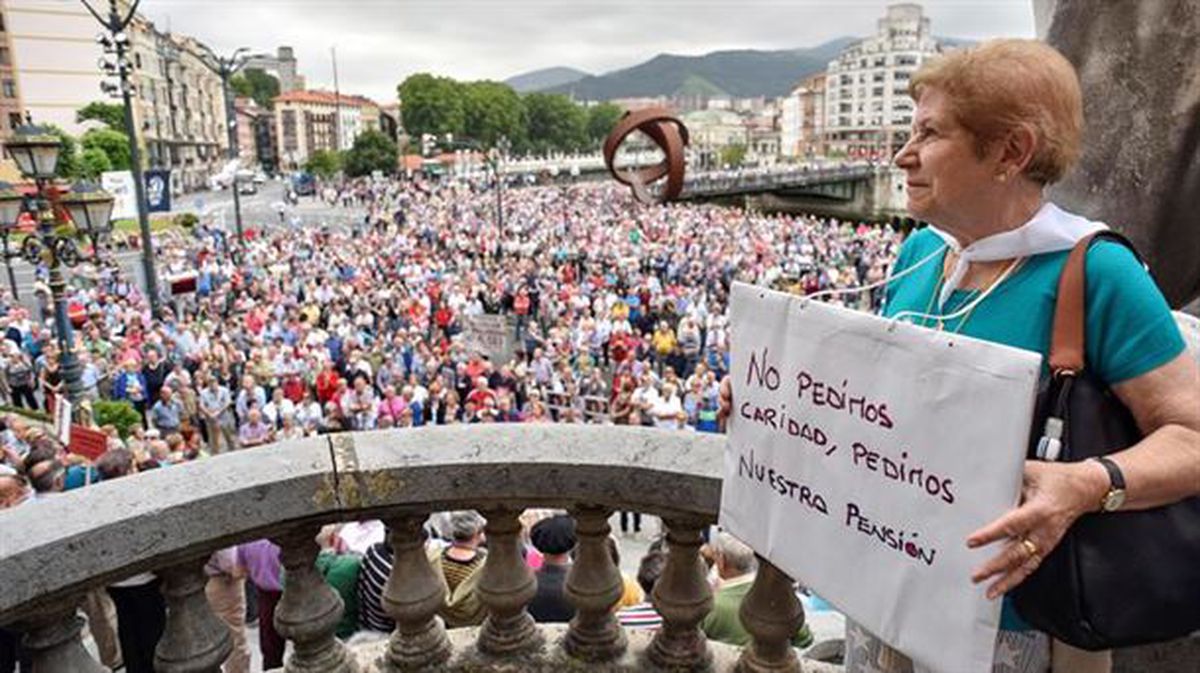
{"x":942,"y":171}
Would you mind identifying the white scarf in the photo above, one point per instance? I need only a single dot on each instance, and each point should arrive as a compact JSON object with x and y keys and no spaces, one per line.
{"x":1050,"y":230}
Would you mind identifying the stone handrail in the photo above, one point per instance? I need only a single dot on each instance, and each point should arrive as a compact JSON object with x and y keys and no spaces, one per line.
{"x":170,"y":520}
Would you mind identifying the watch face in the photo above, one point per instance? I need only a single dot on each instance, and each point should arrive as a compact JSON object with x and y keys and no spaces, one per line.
{"x":1114,"y":499}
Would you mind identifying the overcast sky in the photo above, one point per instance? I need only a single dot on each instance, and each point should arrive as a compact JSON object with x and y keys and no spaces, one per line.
{"x":380,"y":42}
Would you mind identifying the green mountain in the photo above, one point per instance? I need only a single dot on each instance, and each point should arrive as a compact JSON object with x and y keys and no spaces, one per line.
{"x":545,"y":78}
{"x":740,"y":73}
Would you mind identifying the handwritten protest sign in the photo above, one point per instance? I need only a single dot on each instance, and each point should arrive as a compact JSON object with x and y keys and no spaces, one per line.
{"x":489,"y":334}
{"x":861,"y":455}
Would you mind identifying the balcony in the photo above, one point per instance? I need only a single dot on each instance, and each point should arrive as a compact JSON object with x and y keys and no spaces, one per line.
{"x":169,"y":521}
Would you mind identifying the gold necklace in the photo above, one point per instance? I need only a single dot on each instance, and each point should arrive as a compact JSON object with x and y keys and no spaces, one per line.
{"x":937,"y":290}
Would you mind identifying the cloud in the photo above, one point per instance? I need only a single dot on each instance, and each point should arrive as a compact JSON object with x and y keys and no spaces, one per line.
{"x":380,"y":42}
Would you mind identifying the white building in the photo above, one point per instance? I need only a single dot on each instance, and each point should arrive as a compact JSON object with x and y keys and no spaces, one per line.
{"x":802,"y":119}
{"x":868,"y":111}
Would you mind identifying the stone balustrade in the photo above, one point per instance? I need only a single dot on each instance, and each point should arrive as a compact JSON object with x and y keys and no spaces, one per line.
{"x":170,"y":521}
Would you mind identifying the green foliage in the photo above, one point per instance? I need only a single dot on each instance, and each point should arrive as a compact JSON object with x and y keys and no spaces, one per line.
{"x":324,"y":163}
{"x":433,"y":105}
{"x":117,"y":413}
{"x":68,"y":157}
{"x":733,"y":155}
{"x":491,"y":110}
{"x":257,"y":84}
{"x":186,"y":220}
{"x":92,"y":162}
{"x":555,"y":123}
{"x":372,"y":151}
{"x":600,"y":121}
{"x":109,"y":114}
{"x":112,"y":143}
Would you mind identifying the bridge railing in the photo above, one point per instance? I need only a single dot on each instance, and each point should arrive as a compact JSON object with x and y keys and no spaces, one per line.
{"x":169,"y":521}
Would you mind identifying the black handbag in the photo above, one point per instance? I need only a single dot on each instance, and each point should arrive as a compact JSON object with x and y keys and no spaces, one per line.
{"x":1119,"y":578}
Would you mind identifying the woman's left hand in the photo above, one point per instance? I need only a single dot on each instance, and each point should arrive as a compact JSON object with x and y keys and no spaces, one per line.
{"x":1053,"y":496}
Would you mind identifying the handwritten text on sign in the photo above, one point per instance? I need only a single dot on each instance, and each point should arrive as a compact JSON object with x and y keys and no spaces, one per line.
{"x":862,"y":453}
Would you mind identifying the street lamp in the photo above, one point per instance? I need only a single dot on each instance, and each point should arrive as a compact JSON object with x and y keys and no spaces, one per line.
{"x":115,"y":41}
{"x":11,"y":204}
{"x":226,"y":67}
{"x":91,"y":210}
{"x":36,"y":154}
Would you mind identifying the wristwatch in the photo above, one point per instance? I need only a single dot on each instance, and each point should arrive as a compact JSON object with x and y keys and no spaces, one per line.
{"x":1115,"y":497}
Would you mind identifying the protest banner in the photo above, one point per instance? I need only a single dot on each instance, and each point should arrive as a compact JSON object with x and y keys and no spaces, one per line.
{"x":862,"y":452}
{"x":87,"y":442}
{"x":491,"y":335}
{"x":62,"y":419}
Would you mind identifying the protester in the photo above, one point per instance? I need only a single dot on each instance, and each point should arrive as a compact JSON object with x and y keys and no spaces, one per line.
{"x":555,"y":539}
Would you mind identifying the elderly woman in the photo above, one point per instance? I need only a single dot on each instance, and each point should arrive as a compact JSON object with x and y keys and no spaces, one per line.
{"x":994,"y":126}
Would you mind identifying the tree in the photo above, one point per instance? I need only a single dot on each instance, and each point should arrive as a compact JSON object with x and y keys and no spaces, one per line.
{"x":600,"y":121}
{"x":555,"y":123}
{"x":257,"y":84}
{"x":372,"y":151}
{"x":68,"y":154}
{"x":491,"y":110}
{"x":733,"y":155}
{"x":113,"y":143}
{"x":109,"y":114}
{"x":92,"y":162}
{"x":432,"y":105}
{"x":324,"y":163}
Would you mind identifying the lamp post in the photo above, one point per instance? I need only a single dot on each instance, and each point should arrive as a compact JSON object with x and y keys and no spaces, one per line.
{"x":11,"y":203}
{"x":35,"y":152}
{"x":226,"y":67}
{"x":116,"y":42}
{"x":498,"y":156}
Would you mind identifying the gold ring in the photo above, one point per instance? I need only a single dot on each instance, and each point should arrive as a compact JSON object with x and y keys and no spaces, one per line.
{"x":1031,"y":549}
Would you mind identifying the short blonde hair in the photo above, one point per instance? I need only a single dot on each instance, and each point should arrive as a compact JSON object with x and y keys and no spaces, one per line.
{"x":999,"y":85}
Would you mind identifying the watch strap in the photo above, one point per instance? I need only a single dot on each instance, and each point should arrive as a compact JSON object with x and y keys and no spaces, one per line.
{"x":1116,"y":478}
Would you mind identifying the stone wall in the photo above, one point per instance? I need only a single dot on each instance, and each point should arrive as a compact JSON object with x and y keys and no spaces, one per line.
{"x":1139,"y":63}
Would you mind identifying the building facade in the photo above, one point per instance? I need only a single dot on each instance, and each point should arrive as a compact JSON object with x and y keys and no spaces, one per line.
{"x":49,"y":53}
{"x":802,"y":119}
{"x":11,"y":109}
{"x":283,"y":66}
{"x":868,"y":111}
{"x":256,"y":135}
{"x":308,"y":121}
{"x":179,"y":106}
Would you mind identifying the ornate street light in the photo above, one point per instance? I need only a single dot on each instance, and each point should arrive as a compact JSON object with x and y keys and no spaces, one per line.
{"x":12,"y":203}
{"x":91,"y":211}
{"x":35,"y":150}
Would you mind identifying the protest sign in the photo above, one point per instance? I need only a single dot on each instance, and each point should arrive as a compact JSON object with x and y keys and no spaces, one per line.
{"x":491,"y":335}
{"x":862,"y":452}
{"x":87,"y":442}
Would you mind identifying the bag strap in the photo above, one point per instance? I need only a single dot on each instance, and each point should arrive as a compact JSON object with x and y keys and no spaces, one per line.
{"x":1067,"y":343}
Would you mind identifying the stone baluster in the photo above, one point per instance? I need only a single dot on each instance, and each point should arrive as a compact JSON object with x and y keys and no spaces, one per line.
{"x":506,"y":585}
{"x":194,"y":640}
{"x":682,"y":596}
{"x":52,"y":639}
{"x":594,"y":586}
{"x":413,"y":596}
{"x":772,"y":615}
{"x":309,"y":610}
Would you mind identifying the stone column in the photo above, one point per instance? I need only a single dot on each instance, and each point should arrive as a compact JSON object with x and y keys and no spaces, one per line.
{"x":413,"y":596}
{"x":683,"y":598}
{"x":195,"y":640}
{"x":54,"y":644}
{"x":772,"y":614}
{"x":309,"y":610}
{"x":506,"y":586}
{"x":594,"y":586}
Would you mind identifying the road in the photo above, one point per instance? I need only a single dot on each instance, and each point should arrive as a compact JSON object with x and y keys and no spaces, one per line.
{"x":259,"y":210}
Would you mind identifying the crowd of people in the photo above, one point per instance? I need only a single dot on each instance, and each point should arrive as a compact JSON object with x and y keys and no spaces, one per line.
{"x":617,"y":315}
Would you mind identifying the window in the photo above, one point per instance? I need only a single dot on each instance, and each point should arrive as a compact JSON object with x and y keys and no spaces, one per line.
{"x":15,"y":120}
{"x":5,"y":57}
{"x":10,"y":89}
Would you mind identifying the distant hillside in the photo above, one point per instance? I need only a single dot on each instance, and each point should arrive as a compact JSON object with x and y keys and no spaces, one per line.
{"x":545,"y":79}
{"x":741,"y":73}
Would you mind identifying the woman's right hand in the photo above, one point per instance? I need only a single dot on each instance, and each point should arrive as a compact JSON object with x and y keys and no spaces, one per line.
{"x":725,"y":399}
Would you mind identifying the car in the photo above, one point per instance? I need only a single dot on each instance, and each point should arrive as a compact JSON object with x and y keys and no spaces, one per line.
{"x":247,"y":188}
